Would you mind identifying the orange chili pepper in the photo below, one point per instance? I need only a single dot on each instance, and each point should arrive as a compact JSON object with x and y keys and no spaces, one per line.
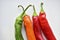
{"x":29,"y":27}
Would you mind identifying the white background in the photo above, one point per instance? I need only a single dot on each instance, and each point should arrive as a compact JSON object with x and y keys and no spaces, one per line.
{"x":9,"y":11}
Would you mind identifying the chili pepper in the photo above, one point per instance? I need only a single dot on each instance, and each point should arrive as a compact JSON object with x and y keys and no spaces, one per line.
{"x":45,"y":25}
{"x":18,"y":24}
{"x":36,"y":26}
{"x":29,"y":27}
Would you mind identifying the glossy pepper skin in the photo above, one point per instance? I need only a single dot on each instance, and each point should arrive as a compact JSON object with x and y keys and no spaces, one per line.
{"x":18,"y":24}
{"x":45,"y":25}
{"x":36,"y":26}
{"x":29,"y":28}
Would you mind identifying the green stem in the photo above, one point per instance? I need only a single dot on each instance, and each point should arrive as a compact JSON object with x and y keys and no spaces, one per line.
{"x":25,"y":10}
{"x":42,"y":7}
{"x":34,"y":13}
{"x":21,"y":6}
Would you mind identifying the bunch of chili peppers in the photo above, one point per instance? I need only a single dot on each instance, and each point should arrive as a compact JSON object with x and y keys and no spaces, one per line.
{"x":33,"y":29}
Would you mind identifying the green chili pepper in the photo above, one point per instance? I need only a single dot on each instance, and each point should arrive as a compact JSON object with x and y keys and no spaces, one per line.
{"x":18,"y":24}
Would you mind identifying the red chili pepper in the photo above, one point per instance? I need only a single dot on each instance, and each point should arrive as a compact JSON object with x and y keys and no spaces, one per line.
{"x":36,"y":26}
{"x":45,"y":25}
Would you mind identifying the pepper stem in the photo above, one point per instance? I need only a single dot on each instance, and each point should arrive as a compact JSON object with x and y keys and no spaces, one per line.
{"x":42,"y":7}
{"x":34,"y":13}
{"x":25,"y":10}
{"x":21,"y":6}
